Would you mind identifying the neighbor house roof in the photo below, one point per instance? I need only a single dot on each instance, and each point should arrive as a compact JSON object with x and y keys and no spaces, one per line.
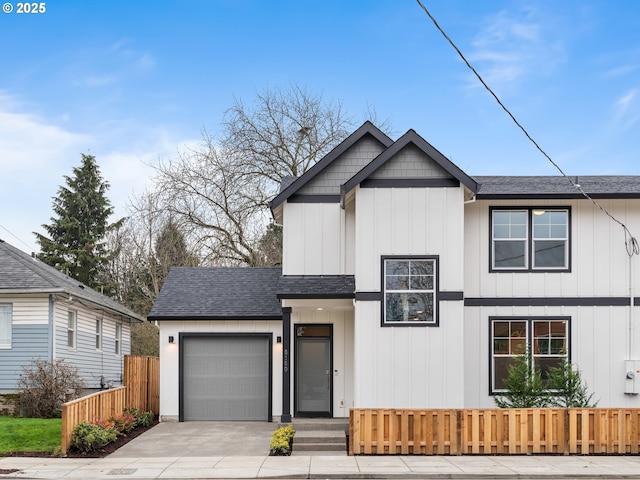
{"x":219,"y":293}
{"x":316,"y":286}
{"x":605,"y":186}
{"x":21,"y":273}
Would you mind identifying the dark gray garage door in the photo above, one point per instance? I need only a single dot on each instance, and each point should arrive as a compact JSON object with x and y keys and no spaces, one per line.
{"x":225,"y":378}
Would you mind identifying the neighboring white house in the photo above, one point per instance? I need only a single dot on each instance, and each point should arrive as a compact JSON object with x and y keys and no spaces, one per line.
{"x":407,"y":283}
{"x":46,"y":315}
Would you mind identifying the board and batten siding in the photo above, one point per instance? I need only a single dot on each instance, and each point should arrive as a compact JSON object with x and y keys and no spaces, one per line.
{"x":170,"y":359}
{"x":29,"y":338}
{"x":313,"y":239}
{"x":98,"y":368}
{"x":409,"y":366}
{"x":599,"y":334}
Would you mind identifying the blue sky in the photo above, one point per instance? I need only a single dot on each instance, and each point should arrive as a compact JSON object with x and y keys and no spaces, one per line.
{"x":133,"y":82}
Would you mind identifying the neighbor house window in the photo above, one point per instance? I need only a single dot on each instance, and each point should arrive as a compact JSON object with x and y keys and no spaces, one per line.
{"x":530,"y":239}
{"x":98,"y":334}
{"x":118,"y":339}
{"x":546,"y":339}
{"x":6,"y":315}
{"x":409,"y":290}
{"x":72,"y":320}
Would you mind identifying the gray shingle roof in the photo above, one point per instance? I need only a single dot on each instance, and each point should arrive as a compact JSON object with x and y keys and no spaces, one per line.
{"x":605,"y":186}
{"x":217,"y":293}
{"x":317,"y":286}
{"x":20,"y":273}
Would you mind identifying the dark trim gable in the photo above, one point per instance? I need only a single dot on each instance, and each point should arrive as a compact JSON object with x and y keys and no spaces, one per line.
{"x":410,"y":137}
{"x":367,"y":128}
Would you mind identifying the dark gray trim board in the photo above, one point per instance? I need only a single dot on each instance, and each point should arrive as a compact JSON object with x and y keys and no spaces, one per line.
{"x":211,"y":318}
{"x":410,"y":183}
{"x":286,"y":365}
{"x":314,"y":199}
{"x":377,"y":296}
{"x":548,"y":302}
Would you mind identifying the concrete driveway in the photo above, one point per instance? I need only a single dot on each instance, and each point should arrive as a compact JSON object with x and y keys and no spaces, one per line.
{"x":200,"y":439}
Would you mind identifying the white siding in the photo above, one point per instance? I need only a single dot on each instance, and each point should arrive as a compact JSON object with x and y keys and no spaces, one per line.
{"x":601,"y":337}
{"x":313,"y":239}
{"x":400,"y":366}
{"x":169,"y":357}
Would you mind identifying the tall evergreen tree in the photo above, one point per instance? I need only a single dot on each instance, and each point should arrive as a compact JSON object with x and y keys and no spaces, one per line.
{"x":74,"y":243}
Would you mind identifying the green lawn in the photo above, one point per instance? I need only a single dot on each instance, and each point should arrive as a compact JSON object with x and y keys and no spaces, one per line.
{"x":29,"y":434}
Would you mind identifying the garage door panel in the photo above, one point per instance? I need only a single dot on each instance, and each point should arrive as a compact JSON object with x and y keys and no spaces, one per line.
{"x":226,"y":378}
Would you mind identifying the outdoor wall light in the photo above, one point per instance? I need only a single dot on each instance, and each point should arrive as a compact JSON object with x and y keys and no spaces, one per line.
{"x":278,"y":339}
{"x":170,"y":338}
{"x":539,"y":211}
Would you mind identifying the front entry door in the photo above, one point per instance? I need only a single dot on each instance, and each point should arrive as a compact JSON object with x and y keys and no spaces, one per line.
{"x":313,"y":367}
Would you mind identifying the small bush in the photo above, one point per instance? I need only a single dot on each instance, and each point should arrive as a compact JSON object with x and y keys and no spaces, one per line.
{"x":143,"y":419}
{"x":124,"y":423}
{"x":88,"y":437}
{"x":281,"y":440}
{"x":45,"y":386}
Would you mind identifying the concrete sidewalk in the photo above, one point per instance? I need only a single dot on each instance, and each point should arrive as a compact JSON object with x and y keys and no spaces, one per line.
{"x":463,"y":467}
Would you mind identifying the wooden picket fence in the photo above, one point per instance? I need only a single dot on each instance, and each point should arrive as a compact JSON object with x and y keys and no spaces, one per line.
{"x":494,"y":431}
{"x":141,"y":390}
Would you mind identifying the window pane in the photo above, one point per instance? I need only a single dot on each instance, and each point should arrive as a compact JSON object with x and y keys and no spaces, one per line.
{"x":518,"y":231}
{"x":409,"y":307}
{"x":421,"y":267}
{"x":501,"y":346}
{"x":395,"y":267}
{"x":549,"y":253}
{"x":543,"y":364}
{"x":500,"y":329}
{"x":501,"y":371}
{"x":422,"y":283}
{"x":541,"y":231}
{"x":509,"y":254}
{"x":5,"y":324}
{"x":558,"y":231}
{"x":501,"y":231}
{"x":558,"y":218}
{"x":540,"y":328}
{"x":518,"y":346}
{"x":397,"y":282}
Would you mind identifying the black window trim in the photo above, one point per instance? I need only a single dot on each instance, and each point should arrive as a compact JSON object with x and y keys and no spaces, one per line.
{"x":436,"y":294}
{"x":529,"y":319}
{"x":529,"y":252}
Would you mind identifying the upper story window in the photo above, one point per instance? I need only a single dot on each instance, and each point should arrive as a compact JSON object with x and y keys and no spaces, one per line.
{"x":409,"y":290}
{"x":72,"y":320}
{"x":6,"y":315}
{"x":98,"y":334}
{"x":546,"y":338}
{"x":118,"y":349}
{"x":530,"y":239}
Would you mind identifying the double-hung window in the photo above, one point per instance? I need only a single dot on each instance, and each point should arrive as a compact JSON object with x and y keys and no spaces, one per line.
{"x":410,"y":290}
{"x":530,"y":239}
{"x":72,"y":321}
{"x":546,"y":338}
{"x":6,"y":315}
{"x":118,"y":349}
{"x":98,"y":333}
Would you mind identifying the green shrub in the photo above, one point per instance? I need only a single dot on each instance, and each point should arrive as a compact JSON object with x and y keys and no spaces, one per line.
{"x":89,"y":437}
{"x":124,"y":423}
{"x":143,"y":419}
{"x":281,"y":440}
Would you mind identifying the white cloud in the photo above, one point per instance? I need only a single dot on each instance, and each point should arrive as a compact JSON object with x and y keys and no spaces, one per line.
{"x":512,"y":45}
{"x":627,"y":109}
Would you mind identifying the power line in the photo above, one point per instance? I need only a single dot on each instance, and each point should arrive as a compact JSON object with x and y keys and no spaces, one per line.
{"x":15,"y":236}
{"x":630,"y":241}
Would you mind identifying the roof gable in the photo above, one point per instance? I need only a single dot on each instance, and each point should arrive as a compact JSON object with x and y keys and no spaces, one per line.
{"x":219,"y":293}
{"x":367,"y":129}
{"x":439,"y":163}
{"x":21,"y":273}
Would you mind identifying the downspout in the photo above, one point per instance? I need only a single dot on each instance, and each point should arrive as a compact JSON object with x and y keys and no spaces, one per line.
{"x":52,"y":331}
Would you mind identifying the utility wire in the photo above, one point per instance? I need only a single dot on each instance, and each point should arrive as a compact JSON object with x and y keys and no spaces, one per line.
{"x":630,"y":241}
{"x":15,"y":236}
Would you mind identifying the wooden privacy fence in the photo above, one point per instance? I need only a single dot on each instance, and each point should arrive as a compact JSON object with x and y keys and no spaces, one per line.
{"x":102,"y":405}
{"x":141,"y":390}
{"x":494,"y":431}
{"x":142,"y":379}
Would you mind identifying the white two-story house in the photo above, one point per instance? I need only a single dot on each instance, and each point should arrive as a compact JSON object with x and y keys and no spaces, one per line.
{"x":407,"y":283}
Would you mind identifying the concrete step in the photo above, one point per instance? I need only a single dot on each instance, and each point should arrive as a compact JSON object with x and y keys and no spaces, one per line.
{"x":332,"y":436}
{"x":318,"y":453}
{"x":319,"y":447}
{"x":320,"y":424}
